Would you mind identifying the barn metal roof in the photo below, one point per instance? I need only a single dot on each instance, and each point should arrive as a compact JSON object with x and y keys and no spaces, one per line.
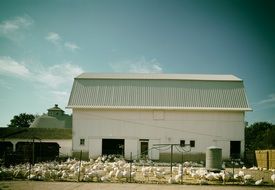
{"x":158,"y":91}
{"x":158,"y":76}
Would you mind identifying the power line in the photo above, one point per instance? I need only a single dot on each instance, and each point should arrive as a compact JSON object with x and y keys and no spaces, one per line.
{"x":171,"y":146}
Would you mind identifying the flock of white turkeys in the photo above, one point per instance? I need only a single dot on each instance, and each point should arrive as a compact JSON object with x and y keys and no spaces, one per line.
{"x":118,"y":170}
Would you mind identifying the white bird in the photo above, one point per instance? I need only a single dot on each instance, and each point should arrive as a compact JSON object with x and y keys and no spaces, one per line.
{"x":105,"y":178}
{"x":133,"y":175}
{"x":119,"y":174}
{"x":145,"y":169}
{"x":223,"y":165}
{"x":254,"y":168}
{"x":178,"y":178}
{"x":146,"y":175}
{"x":273,"y":176}
{"x":160,"y":169}
{"x":111,"y":174}
{"x":145,"y":172}
{"x":237,"y":177}
{"x":171,"y":180}
{"x":32,"y":176}
{"x":159,"y":175}
{"x":247,"y":177}
{"x":259,"y":182}
{"x":203,"y":182}
{"x":226,"y":176}
{"x":175,"y":169}
{"x":241,"y":173}
{"x":210,"y":176}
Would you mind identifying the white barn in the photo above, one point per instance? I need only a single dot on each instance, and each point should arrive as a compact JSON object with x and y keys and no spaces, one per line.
{"x":130,"y":113}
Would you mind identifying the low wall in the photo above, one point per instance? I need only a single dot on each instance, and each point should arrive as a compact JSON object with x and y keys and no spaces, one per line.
{"x":84,"y":156}
{"x":265,"y":158}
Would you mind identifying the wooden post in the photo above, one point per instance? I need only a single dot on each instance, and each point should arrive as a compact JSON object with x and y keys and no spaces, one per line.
{"x":79,"y":167}
{"x":131,"y":167}
{"x":267,"y":159}
{"x":182,"y":168}
{"x":33,"y":151}
{"x":171,"y":160}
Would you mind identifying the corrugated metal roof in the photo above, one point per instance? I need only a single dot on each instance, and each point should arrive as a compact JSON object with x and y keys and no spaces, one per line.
{"x":165,"y":91}
{"x":159,"y":76}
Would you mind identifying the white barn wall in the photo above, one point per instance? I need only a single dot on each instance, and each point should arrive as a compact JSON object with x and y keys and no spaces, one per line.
{"x":207,"y":128}
{"x":95,"y":147}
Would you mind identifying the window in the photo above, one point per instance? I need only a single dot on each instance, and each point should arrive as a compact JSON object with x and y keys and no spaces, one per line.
{"x":182,"y":143}
{"x":82,"y":141}
{"x":192,"y":143}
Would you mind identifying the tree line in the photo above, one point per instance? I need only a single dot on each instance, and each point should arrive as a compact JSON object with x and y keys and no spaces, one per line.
{"x":260,"y":136}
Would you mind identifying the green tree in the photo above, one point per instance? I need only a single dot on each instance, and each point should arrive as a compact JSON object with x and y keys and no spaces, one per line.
{"x":23,"y":120}
{"x":260,"y":135}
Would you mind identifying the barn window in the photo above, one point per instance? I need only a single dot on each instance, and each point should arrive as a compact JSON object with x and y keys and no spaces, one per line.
{"x":192,"y":143}
{"x":82,"y":141}
{"x":182,"y":143}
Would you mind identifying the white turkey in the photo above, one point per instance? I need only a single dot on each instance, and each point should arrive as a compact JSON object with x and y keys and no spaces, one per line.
{"x":273,"y":176}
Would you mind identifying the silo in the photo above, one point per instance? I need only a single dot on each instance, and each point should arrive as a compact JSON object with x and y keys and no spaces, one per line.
{"x":214,"y":158}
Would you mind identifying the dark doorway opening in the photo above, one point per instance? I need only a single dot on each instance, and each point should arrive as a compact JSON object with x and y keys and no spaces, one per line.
{"x":5,"y":148}
{"x":235,"y":149}
{"x":39,"y":151}
{"x":113,"y":147}
{"x":144,"y":149}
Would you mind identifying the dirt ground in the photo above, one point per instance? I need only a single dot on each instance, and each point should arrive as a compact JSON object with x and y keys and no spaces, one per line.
{"x":39,"y":185}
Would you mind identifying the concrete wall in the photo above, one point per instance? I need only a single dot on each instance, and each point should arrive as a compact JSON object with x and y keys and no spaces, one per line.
{"x":207,"y":128}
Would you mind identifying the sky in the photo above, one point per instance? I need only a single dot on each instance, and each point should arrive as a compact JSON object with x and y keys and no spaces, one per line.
{"x":45,"y":44}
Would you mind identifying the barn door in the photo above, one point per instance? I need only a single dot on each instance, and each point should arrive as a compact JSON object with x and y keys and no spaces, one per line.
{"x":95,"y":148}
{"x":235,"y":149}
{"x":153,"y":153}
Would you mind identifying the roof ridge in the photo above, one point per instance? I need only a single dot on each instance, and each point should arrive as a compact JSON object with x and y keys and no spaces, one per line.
{"x":160,"y":76}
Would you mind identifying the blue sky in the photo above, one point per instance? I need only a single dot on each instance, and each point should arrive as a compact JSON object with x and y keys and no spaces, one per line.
{"x":45,"y":44}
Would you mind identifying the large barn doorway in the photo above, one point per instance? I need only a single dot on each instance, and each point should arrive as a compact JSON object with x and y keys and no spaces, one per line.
{"x":235,"y":149}
{"x":113,"y":147}
{"x":144,"y":144}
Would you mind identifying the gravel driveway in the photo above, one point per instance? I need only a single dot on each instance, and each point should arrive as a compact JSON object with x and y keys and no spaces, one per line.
{"x":33,"y":185}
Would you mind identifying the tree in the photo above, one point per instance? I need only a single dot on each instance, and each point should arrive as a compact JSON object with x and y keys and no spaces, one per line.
{"x":259,"y":136}
{"x":23,"y":120}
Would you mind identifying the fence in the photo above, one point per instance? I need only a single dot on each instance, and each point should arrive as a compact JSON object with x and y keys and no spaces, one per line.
{"x":265,"y":158}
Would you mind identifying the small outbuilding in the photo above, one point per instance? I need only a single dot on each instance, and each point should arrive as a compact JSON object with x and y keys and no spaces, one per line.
{"x":55,"y":118}
{"x":49,"y":137}
{"x":128,"y":114}
{"x":41,"y":144}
